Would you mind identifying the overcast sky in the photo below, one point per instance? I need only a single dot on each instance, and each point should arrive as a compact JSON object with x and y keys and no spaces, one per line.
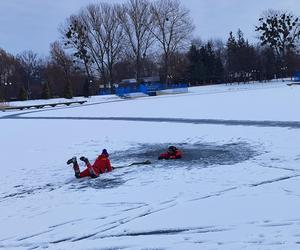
{"x":33,"y":24}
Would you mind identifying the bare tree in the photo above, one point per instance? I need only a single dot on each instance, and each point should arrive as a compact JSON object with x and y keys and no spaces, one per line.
{"x":61,"y":58}
{"x":138,"y":27}
{"x":96,"y":36}
{"x":64,"y":61}
{"x":7,"y":70}
{"x":74,"y":35}
{"x":173,"y":28}
{"x":280,"y":30}
{"x":105,"y":37}
{"x":30,"y":63}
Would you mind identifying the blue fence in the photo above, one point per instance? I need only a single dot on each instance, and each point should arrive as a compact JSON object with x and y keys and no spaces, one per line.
{"x":123,"y":90}
{"x":148,"y":88}
{"x":297,"y":76}
{"x":105,"y":91}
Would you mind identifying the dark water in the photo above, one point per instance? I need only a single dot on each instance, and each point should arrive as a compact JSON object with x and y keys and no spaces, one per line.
{"x":198,"y":155}
{"x":194,"y":155}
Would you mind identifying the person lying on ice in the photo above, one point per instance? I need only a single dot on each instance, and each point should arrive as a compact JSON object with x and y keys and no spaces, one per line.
{"x":100,"y":166}
{"x":173,"y":153}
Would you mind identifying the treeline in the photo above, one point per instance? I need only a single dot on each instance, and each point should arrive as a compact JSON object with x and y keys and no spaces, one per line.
{"x":26,"y":76}
{"x":237,"y":61}
{"x":104,"y":43}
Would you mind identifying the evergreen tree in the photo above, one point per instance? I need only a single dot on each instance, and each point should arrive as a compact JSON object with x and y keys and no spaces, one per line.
{"x":218,"y":69}
{"x":195,"y":67}
{"x":268,"y":64}
{"x":68,"y":91}
{"x":231,"y":54}
{"x":22,"y":94}
{"x":86,"y":88}
{"x":210,"y":62}
{"x":1,"y":96}
{"x":241,"y":58}
{"x":205,"y":65}
{"x":46,"y":93}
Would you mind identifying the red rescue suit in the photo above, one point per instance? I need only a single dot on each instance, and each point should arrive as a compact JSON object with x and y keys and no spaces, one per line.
{"x":177,"y":154}
{"x":100,"y":166}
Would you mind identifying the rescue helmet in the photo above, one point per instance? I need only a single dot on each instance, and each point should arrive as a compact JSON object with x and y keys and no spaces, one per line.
{"x":104,"y":152}
{"x":172,"y":149}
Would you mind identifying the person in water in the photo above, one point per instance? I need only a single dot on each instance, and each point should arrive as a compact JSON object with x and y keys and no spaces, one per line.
{"x":101,"y":165}
{"x":172,"y":154}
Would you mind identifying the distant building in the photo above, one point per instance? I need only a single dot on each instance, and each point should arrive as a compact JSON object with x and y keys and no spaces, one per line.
{"x":144,"y":80}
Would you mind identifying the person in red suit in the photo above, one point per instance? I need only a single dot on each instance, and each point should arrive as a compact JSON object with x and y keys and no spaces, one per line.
{"x":101,"y":165}
{"x":172,"y":154}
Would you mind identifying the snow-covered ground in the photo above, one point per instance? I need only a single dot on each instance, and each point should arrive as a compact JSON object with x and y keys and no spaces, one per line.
{"x":238,"y":186}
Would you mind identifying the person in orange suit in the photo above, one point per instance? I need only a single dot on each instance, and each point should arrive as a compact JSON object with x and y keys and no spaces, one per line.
{"x":101,"y":165}
{"x":173,"y":153}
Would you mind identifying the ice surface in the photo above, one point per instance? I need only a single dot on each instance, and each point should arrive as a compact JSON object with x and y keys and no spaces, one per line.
{"x":237,"y":186}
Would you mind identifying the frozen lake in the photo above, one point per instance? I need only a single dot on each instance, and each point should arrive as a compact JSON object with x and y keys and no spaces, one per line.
{"x":237,"y":186}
